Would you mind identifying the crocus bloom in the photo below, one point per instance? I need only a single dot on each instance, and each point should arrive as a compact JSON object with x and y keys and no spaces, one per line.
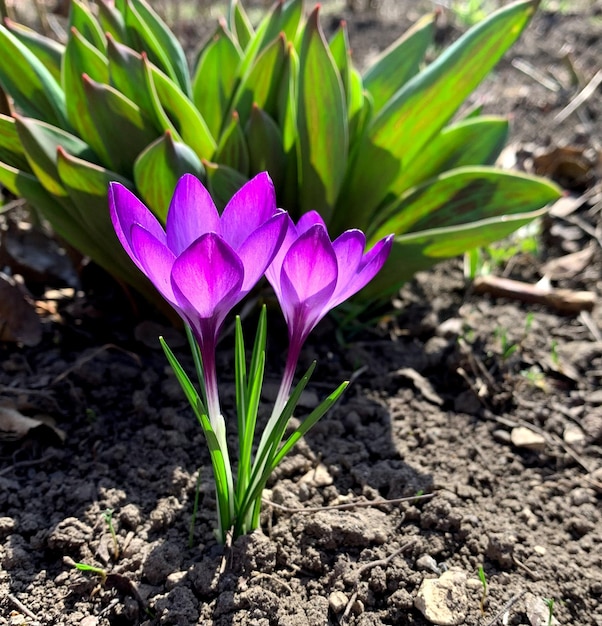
{"x":202,"y":263}
{"x":311,"y":275}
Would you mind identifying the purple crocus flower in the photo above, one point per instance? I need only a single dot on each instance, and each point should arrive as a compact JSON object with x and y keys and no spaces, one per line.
{"x":311,"y":275}
{"x":202,"y":263}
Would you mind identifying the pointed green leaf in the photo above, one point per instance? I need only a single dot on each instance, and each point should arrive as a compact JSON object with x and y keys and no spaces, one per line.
{"x":461,"y":196}
{"x":40,"y":142}
{"x":84,"y":22}
{"x":178,"y":113}
{"x":128,"y":74}
{"x":418,"y":251}
{"x":239,"y":24}
{"x":232,"y":148}
{"x":154,"y":37}
{"x":350,"y":77}
{"x":29,"y":83}
{"x":322,"y":124}
{"x":158,"y":169}
{"x":266,"y":152}
{"x":260,"y":85}
{"x":399,"y":62}
{"x":81,"y":57}
{"x":11,"y":150}
{"x":48,"y":51}
{"x":112,"y":20}
{"x":215,"y":78}
{"x":122,"y":129}
{"x":422,"y":107}
{"x":288,"y":196}
{"x":223,"y":182}
{"x":473,"y":141}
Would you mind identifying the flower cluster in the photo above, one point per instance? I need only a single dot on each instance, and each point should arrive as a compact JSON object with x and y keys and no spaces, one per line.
{"x":203,"y":264}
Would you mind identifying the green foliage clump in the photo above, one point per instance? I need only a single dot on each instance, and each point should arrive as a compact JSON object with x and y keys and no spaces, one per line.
{"x":383,"y":151}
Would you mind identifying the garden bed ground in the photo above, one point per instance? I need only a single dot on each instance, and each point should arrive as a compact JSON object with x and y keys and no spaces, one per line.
{"x":445,"y":388}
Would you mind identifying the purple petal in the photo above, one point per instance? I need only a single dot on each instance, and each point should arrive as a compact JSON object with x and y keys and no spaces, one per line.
{"x":156,"y":261}
{"x":309,"y":219}
{"x":258,"y":251}
{"x":191,"y":214}
{"x":308,"y":278}
{"x":207,"y":278}
{"x":349,"y":248}
{"x":252,"y":205}
{"x":369,"y":266}
{"x":274,"y":269}
{"x":126,"y":210}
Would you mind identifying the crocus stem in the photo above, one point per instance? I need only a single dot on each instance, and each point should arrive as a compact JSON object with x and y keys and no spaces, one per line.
{"x":219,"y":428}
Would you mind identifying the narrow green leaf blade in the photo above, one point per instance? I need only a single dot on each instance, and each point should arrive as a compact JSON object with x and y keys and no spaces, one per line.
{"x":81,"y":57}
{"x":154,"y":37}
{"x":179,"y":113}
{"x":322,"y":124}
{"x":399,"y":62}
{"x":464,"y":195}
{"x":112,"y":21}
{"x":421,"y":250}
{"x":29,"y":83}
{"x":11,"y":150}
{"x":81,"y":18}
{"x":260,"y":85}
{"x":240,"y":24}
{"x":215,"y":78}
{"x":473,"y":141}
{"x":48,"y":51}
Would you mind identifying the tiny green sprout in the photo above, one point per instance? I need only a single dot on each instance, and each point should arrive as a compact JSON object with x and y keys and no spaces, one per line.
{"x":92,"y":569}
{"x":91,"y":416}
{"x":108,"y":517}
{"x":508,"y":348}
{"x":483,"y":580}
{"x":550,"y":604}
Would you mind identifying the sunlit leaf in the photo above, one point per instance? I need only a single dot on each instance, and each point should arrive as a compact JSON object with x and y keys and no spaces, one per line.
{"x":11,"y":150}
{"x":83,"y":21}
{"x":422,"y":107}
{"x":48,"y":51}
{"x":322,"y":124}
{"x":473,"y":141}
{"x":179,"y":114}
{"x":29,"y":83}
{"x":154,"y":37}
{"x":40,"y":142}
{"x":215,"y":77}
{"x":399,"y":62}
{"x":82,"y":58}
{"x":421,"y":250}
{"x":261,"y":83}
{"x":461,"y":196}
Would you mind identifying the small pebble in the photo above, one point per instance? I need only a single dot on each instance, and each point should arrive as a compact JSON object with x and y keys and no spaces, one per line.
{"x":523,"y":437}
{"x":337,"y":601}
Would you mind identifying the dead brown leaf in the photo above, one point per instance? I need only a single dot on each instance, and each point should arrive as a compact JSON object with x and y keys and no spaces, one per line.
{"x":568,"y":265}
{"x":14,"y":425}
{"x":19,"y":321}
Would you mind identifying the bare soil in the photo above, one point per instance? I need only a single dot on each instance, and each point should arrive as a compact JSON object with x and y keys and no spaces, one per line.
{"x":444,"y":384}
